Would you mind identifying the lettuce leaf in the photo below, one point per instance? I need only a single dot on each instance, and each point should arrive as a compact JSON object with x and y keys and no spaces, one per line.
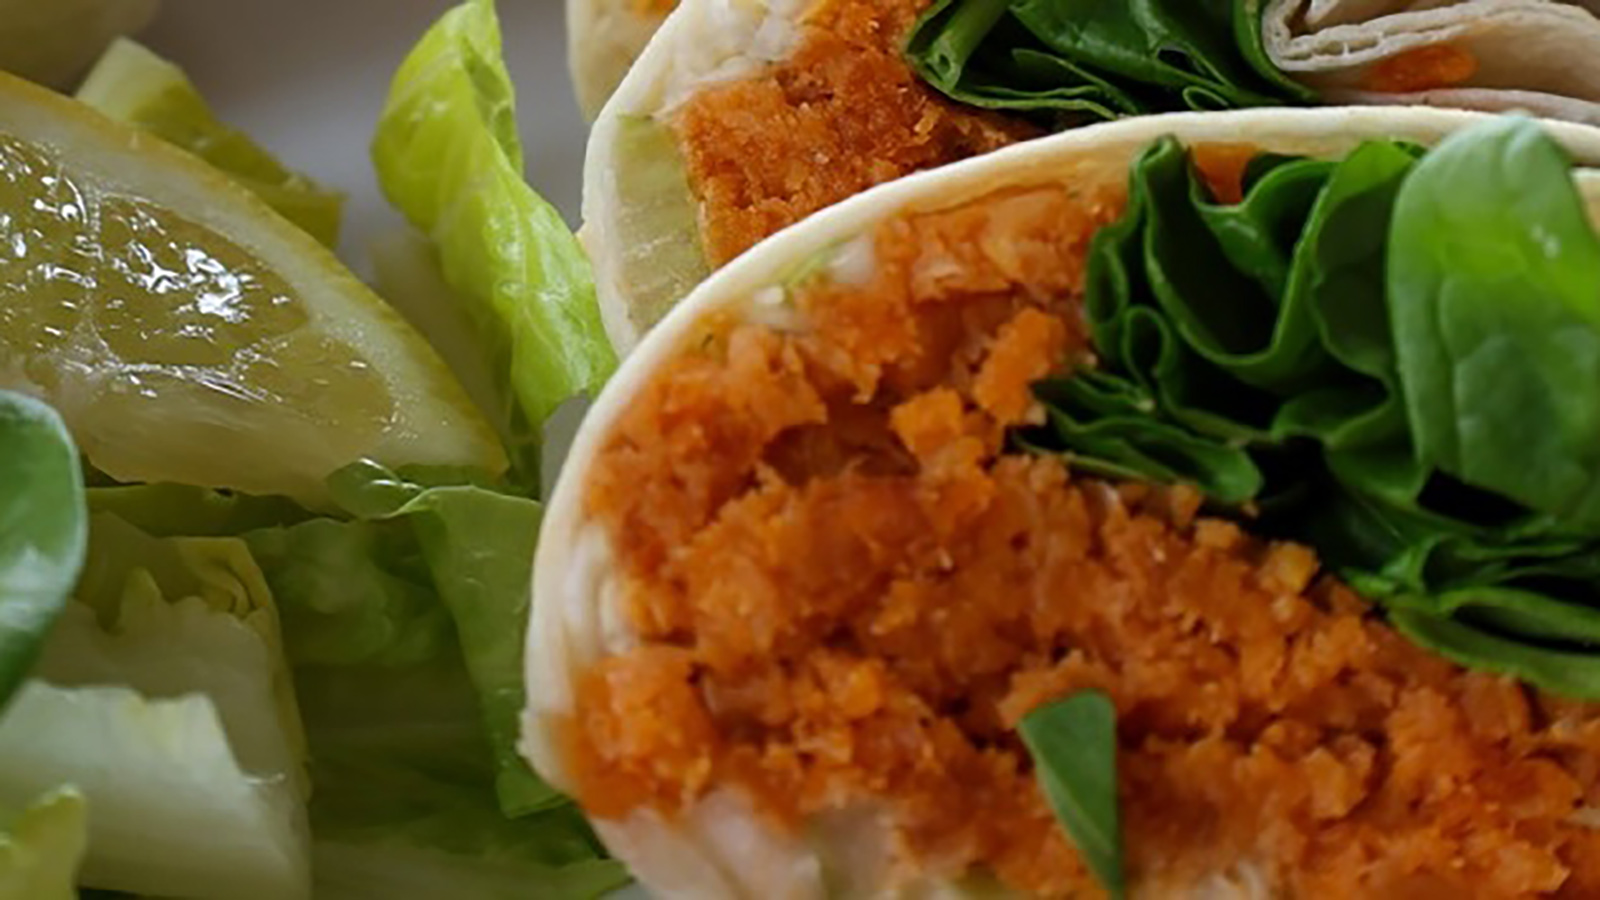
{"x":405,"y":806}
{"x":170,"y":616}
{"x":163,"y":695}
{"x":353,"y":593}
{"x":181,"y":510}
{"x":174,"y":812}
{"x":405,"y":623}
{"x":40,"y":849}
{"x":448,"y":157}
{"x":478,"y":545}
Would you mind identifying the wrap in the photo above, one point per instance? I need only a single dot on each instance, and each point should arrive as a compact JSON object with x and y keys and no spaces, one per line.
{"x":744,"y":117}
{"x":909,"y":473}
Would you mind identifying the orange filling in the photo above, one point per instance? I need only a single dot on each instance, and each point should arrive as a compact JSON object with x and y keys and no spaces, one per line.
{"x":1421,"y":69}
{"x":844,"y":112}
{"x":848,"y":592}
{"x":655,"y":8}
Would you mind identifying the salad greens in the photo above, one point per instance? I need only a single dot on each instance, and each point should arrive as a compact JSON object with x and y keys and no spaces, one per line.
{"x":172,"y":811}
{"x":40,"y":848}
{"x":225,"y":695}
{"x":43,"y":530}
{"x":1074,"y":61}
{"x":1073,"y":742}
{"x":448,"y":156}
{"x":1505,"y":396}
{"x":1391,"y":358}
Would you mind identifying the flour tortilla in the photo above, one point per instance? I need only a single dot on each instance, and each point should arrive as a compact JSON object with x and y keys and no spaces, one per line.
{"x":642,"y":231}
{"x":604,"y":37}
{"x":720,"y":849}
{"x":1541,"y":56}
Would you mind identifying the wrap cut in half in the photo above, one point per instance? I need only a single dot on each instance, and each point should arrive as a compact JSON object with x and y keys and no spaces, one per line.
{"x":1198,"y":505}
{"x":744,"y":117}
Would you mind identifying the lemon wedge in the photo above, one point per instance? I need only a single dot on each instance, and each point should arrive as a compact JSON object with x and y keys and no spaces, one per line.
{"x":187,"y":333}
{"x":132,"y":84}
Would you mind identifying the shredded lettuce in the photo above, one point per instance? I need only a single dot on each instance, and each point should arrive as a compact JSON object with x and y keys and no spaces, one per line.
{"x":41,"y":848}
{"x":448,"y":157}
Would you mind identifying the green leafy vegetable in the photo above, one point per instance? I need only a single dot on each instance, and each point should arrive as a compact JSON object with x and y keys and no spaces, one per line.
{"x":43,"y":530}
{"x":1496,"y":312}
{"x":353,"y":593}
{"x":406,"y":795}
{"x":162,"y":694}
{"x":181,"y":510}
{"x":478,"y":546}
{"x":174,"y":813}
{"x":40,"y":849}
{"x":1073,"y":743}
{"x":448,"y":156}
{"x":1082,"y":60}
{"x":1391,"y":357}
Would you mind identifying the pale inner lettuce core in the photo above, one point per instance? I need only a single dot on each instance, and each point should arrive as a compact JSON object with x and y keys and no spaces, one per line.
{"x":41,"y":847}
{"x":116,"y":309}
{"x":163,"y":696}
{"x":173,"y":813}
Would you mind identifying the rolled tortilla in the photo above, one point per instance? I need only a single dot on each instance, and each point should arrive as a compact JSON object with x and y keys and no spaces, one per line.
{"x":744,"y":116}
{"x":720,"y":845}
{"x":604,"y":37}
{"x":1541,"y":56}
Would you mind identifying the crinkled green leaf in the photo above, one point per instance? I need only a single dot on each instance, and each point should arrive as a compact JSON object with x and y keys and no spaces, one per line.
{"x":406,"y":793}
{"x":171,"y":616}
{"x":478,"y":546}
{"x":448,"y":157}
{"x":353,"y":593}
{"x":1385,"y":357}
{"x":181,"y":510}
{"x":1082,"y":60}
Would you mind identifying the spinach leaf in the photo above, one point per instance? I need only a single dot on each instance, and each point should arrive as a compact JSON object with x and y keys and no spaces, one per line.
{"x":1494,"y":296}
{"x":43,"y":530}
{"x":1570,"y":673}
{"x":1073,"y":743}
{"x":1079,"y":60}
{"x":1393,"y":358}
